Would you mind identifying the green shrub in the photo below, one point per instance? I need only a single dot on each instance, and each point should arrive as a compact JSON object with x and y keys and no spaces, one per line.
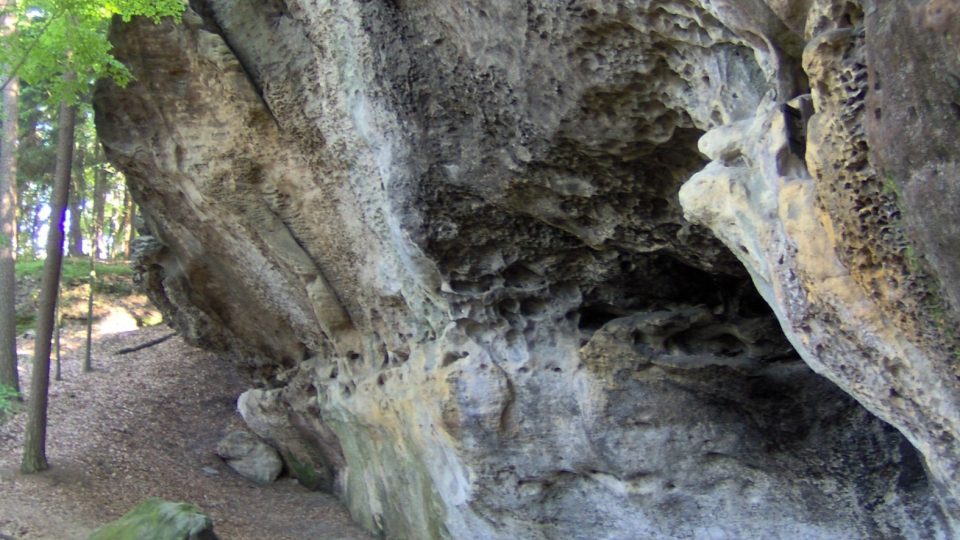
{"x":9,"y":402}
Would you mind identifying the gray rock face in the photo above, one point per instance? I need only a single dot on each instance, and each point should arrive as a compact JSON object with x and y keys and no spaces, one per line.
{"x":562,"y":270}
{"x":250,"y":457}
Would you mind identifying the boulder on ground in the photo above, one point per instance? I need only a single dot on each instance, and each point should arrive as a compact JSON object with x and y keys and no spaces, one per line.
{"x":156,"y":519}
{"x":250,"y":457}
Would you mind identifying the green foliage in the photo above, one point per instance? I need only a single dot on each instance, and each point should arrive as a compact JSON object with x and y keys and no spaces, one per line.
{"x":76,"y":271}
{"x":51,"y":38}
{"x":156,"y":519}
{"x":9,"y":402}
{"x":114,"y":280}
{"x":56,"y":37}
{"x":113,"y":277}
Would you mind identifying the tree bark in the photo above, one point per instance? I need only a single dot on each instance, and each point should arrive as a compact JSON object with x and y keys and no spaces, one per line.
{"x":126,"y":231}
{"x":88,"y":352}
{"x":75,"y":236}
{"x":99,"y":204}
{"x":8,"y":231}
{"x":35,"y":225}
{"x":58,"y":372}
{"x":132,"y":233}
{"x":35,"y":439}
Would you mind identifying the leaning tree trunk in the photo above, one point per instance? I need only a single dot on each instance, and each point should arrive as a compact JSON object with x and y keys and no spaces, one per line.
{"x":35,"y":441}
{"x":8,"y":232}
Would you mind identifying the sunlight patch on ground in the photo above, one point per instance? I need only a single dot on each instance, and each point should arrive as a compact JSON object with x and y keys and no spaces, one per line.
{"x":118,"y":320}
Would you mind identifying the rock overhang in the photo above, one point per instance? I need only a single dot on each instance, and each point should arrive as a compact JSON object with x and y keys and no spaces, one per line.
{"x":449,"y":237}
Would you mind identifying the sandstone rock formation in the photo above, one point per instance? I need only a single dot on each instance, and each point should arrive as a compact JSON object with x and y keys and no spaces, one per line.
{"x":496,"y":264}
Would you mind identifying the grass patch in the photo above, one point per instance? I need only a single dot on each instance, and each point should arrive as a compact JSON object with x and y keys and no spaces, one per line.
{"x":113,"y":285}
{"x":113,"y":277}
{"x":76,"y":270}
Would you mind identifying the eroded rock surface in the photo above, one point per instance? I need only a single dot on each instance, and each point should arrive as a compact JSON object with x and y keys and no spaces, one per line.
{"x":496,"y":264}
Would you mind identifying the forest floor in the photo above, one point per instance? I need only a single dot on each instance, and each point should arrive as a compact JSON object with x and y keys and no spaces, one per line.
{"x":140,"y":425}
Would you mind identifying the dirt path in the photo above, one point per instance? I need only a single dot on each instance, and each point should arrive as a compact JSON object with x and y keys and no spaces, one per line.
{"x":142,"y":425}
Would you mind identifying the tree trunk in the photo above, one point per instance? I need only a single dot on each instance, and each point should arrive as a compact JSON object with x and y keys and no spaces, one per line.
{"x":35,"y":439}
{"x":8,"y":232}
{"x":126,"y":230}
{"x":88,"y":353}
{"x":75,"y":236}
{"x":35,"y":227}
{"x":132,"y":233}
{"x":23,"y":209}
{"x":99,"y":203}
{"x":58,"y":372}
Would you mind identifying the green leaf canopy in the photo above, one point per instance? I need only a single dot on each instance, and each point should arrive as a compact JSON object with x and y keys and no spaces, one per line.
{"x":53,"y":37}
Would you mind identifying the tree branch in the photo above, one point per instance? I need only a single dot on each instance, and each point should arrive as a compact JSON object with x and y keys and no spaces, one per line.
{"x":142,"y":346}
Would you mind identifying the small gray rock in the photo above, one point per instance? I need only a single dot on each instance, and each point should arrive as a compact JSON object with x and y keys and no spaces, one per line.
{"x":250,"y":457}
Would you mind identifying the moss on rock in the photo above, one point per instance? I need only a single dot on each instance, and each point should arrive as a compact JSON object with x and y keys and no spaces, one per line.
{"x":156,"y":519}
